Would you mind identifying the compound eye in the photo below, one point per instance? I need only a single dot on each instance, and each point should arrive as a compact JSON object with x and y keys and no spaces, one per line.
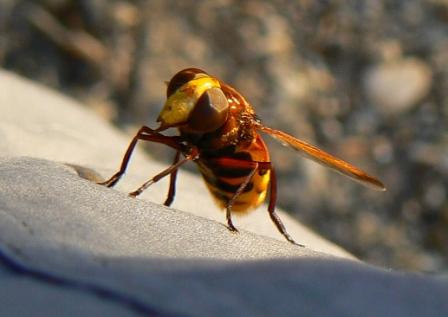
{"x":210,"y":112}
{"x":181,"y":78}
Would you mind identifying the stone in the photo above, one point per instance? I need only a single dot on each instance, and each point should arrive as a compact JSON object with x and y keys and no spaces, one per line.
{"x":398,"y":85}
{"x":68,"y":239}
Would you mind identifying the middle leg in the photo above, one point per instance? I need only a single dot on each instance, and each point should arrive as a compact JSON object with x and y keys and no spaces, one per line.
{"x":232,"y":200}
{"x":172,"y":169}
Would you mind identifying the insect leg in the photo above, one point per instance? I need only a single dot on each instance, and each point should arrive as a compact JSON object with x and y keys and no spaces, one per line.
{"x":173,"y":176}
{"x":147,"y":134}
{"x":236,"y":195}
{"x":271,"y":207}
{"x":189,"y":157}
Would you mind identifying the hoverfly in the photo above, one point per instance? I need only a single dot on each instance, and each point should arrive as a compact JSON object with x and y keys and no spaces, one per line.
{"x":219,"y":131}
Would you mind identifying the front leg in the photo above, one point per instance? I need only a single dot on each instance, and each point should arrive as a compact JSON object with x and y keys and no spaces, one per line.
{"x":146,"y":134}
{"x":172,"y":189}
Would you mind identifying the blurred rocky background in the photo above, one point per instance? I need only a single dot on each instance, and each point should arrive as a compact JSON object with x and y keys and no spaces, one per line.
{"x":364,"y":80}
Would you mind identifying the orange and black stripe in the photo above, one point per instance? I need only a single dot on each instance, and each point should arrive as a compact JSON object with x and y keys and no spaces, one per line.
{"x":227,"y":170}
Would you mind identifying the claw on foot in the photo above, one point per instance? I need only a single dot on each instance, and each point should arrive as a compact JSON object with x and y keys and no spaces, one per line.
{"x":232,"y":228}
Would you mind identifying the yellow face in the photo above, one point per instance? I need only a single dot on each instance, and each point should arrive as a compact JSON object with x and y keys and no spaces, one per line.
{"x":182,"y":101}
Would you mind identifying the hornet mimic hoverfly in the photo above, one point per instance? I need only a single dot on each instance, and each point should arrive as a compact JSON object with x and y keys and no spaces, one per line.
{"x":219,"y":131}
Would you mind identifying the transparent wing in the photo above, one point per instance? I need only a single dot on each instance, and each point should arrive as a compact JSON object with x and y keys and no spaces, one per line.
{"x":323,"y":158}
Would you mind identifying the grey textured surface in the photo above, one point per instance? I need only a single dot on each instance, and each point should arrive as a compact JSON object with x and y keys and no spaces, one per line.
{"x":69,"y":247}
{"x":180,"y":264}
{"x":59,"y":209}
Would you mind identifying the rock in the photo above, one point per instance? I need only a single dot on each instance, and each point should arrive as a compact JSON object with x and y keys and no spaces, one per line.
{"x":396,"y":86}
{"x":71,"y":247}
{"x":68,"y":239}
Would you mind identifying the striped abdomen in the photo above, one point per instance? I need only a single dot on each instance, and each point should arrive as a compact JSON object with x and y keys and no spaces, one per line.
{"x":224,"y":174}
